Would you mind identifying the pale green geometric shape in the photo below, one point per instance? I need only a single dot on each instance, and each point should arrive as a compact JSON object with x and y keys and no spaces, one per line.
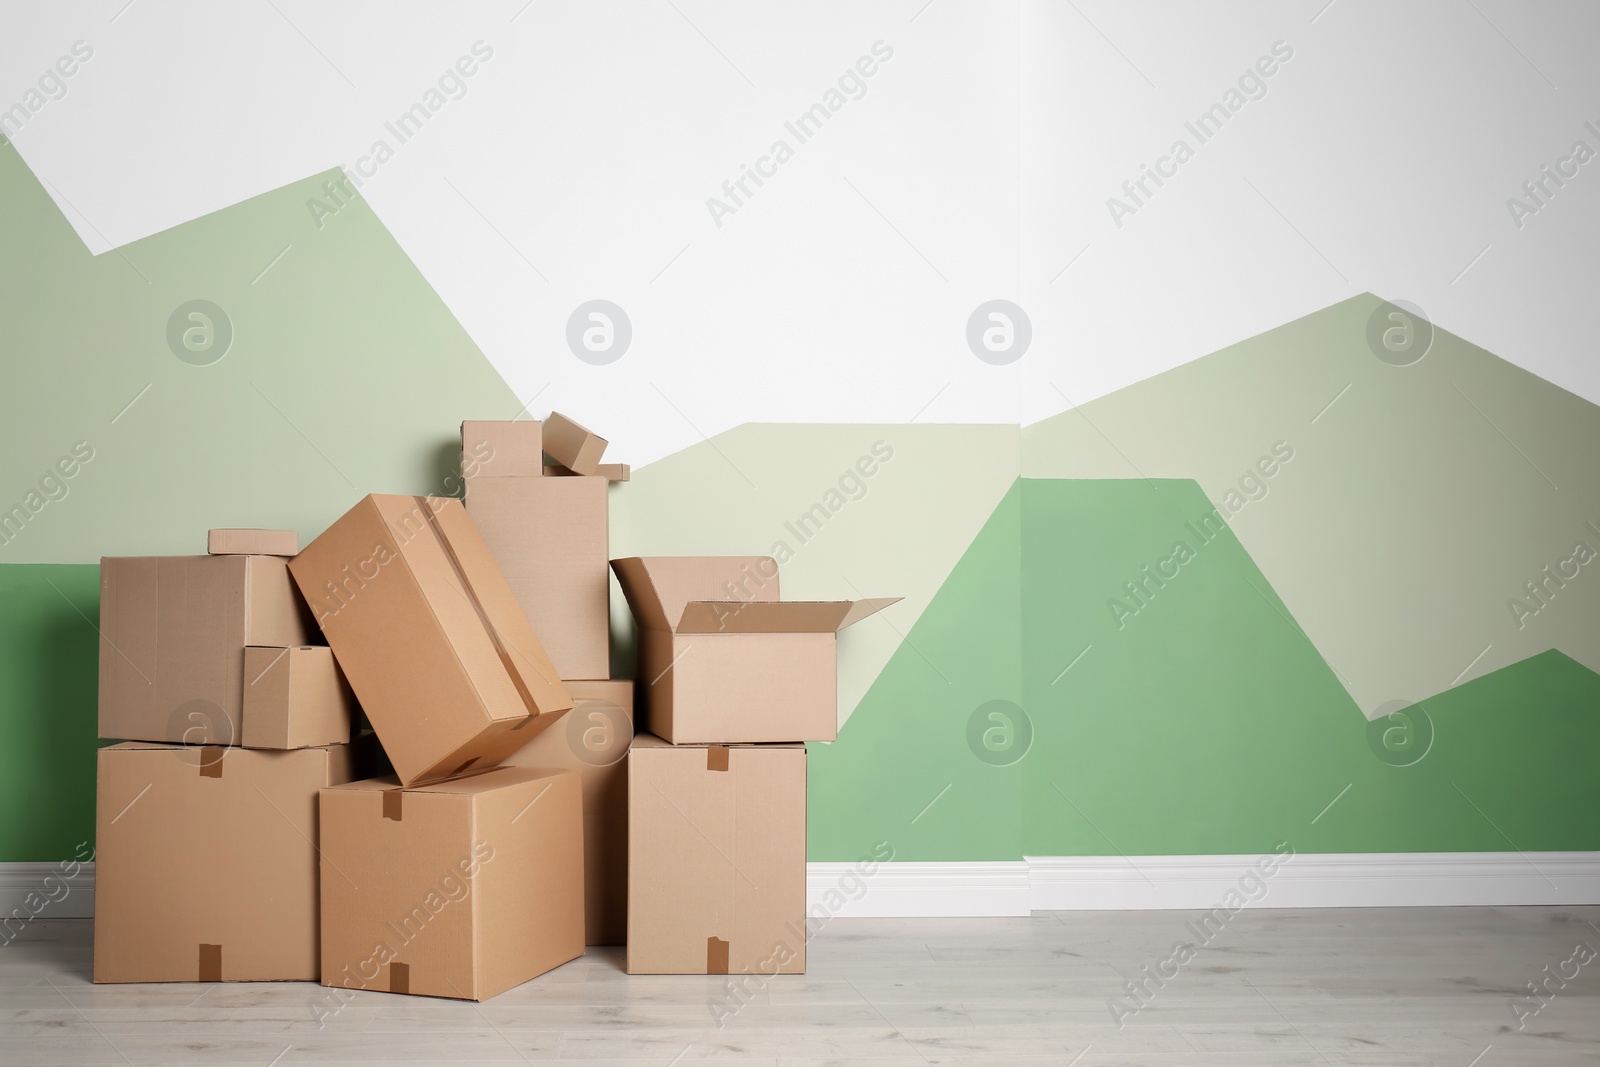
{"x":1418,"y":502}
{"x":743,"y":492}
{"x":346,"y":374}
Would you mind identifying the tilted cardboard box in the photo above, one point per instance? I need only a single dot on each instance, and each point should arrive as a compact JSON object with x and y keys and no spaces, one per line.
{"x":173,"y":631}
{"x":722,"y":659}
{"x":442,"y":659}
{"x":550,"y":536}
{"x":572,"y":446}
{"x":296,"y":698}
{"x":461,"y":889}
{"x":716,"y":858}
{"x":593,"y":740}
{"x":206,"y":862}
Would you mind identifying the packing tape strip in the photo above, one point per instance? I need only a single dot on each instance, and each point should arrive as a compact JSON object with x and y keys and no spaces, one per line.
{"x":392,"y":803}
{"x":211,"y":757}
{"x":399,"y":977}
{"x":483,"y":616}
{"x":717,"y":758}
{"x":716,"y":956}
{"x":210,"y":963}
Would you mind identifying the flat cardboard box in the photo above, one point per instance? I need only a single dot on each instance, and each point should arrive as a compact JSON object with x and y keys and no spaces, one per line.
{"x":593,"y":740}
{"x":206,"y":862}
{"x":460,"y":889}
{"x":252,"y":542}
{"x":173,"y":631}
{"x":716,"y":858}
{"x":572,"y":446}
{"x":439,"y":654}
{"x":721,"y":659}
{"x":296,"y":698}
{"x":551,"y":539}
{"x":611,"y":472}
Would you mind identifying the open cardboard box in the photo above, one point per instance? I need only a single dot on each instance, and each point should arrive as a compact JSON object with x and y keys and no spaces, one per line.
{"x":722,"y":659}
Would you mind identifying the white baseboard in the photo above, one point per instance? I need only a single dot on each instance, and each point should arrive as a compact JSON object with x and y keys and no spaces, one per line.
{"x":44,"y":890}
{"x":1099,"y":883}
{"x":1086,"y":883}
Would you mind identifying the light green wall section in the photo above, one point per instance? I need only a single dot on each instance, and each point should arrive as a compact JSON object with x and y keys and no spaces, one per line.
{"x":897,"y":532}
{"x":346,"y":375}
{"x":1415,"y":506}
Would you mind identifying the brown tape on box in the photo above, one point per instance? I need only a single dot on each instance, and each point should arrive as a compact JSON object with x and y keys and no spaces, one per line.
{"x":210,"y":963}
{"x":211,"y":761}
{"x":391,"y":803}
{"x":477,"y":606}
{"x":400,"y":978}
{"x":716,"y":956}
{"x":717,"y":758}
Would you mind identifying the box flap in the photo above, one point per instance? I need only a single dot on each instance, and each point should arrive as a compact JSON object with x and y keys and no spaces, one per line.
{"x":470,"y":785}
{"x":787,"y":617}
{"x":658,"y":588}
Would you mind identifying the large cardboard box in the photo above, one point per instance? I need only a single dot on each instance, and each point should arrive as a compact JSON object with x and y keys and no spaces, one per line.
{"x":461,"y":889}
{"x":296,"y":698}
{"x":593,"y":740}
{"x":442,"y":659}
{"x":206,"y":862}
{"x":550,"y":535}
{"x":716,"y":858}
{"x":721,"y":659}
{"x":173,"y":631}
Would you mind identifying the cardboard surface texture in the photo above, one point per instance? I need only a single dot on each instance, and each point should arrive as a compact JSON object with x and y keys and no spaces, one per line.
{"x":206,"y":863}
{"x":460,"y":889}
{"x":722,"y":659}
{"x":443,"y":660}
{"x":502,"y":449}
{"x":611,"y":472}
{"x":173,"y":631}
{"x":593,"y":740}
{"x":252,"y":542}
{"x":716,"y":858}
{"x":572,"y":446}
{"x":295,"y":698}
{"x":550,"y":537}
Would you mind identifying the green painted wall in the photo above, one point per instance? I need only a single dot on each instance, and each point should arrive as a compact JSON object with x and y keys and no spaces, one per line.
{"x":48,"y":655}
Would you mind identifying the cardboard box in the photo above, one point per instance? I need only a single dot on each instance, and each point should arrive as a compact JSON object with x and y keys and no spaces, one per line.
{"x":439,"y":654}
{"x":502,"y":449}
{"x":252,"y":542}
{"x":551,"y":539}
{"x":461,"y":889}
{"x":611,"y":472}
{"x":296,"y":698}
{"x":716,"y":858}
{"x":572,"y":446}
{"x":206,"y":862}
{"x":173,"y":631}
{"x":721,"y":659}
{"x":593,"y":740}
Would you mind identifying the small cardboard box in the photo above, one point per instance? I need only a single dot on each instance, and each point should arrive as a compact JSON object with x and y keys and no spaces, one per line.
{"x":206,"y":862}
{"x":461,"y":889}
{"x":252,"y":542}
{"x":593,"y":740}
{"x":572,"y":446}
{"x":550,"y":536}
{"x":721,"y":659}
{"x":173,"y":631}
{"x":716,"y":858}
{"x":296,"y":698}
{"x":443,"y":661}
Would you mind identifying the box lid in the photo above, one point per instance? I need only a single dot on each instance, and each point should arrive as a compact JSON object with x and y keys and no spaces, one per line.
{"x":468,"y":785}
{"x":728,"y":594}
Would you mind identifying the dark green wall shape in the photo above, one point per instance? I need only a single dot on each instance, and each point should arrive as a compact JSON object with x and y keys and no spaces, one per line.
{"x":906,"y":744}
{"x":1207,"y":723}
{"x":48,"y":653}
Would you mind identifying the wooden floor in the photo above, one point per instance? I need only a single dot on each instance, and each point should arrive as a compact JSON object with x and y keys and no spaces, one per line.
{"x":1391,"y":987}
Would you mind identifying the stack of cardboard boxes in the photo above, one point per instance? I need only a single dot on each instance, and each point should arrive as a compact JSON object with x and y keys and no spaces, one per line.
{"x":243,"y":837}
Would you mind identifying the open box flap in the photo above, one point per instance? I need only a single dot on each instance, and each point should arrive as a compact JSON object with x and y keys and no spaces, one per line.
{"x":658,"y":587}
{"x":790,"y":616}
